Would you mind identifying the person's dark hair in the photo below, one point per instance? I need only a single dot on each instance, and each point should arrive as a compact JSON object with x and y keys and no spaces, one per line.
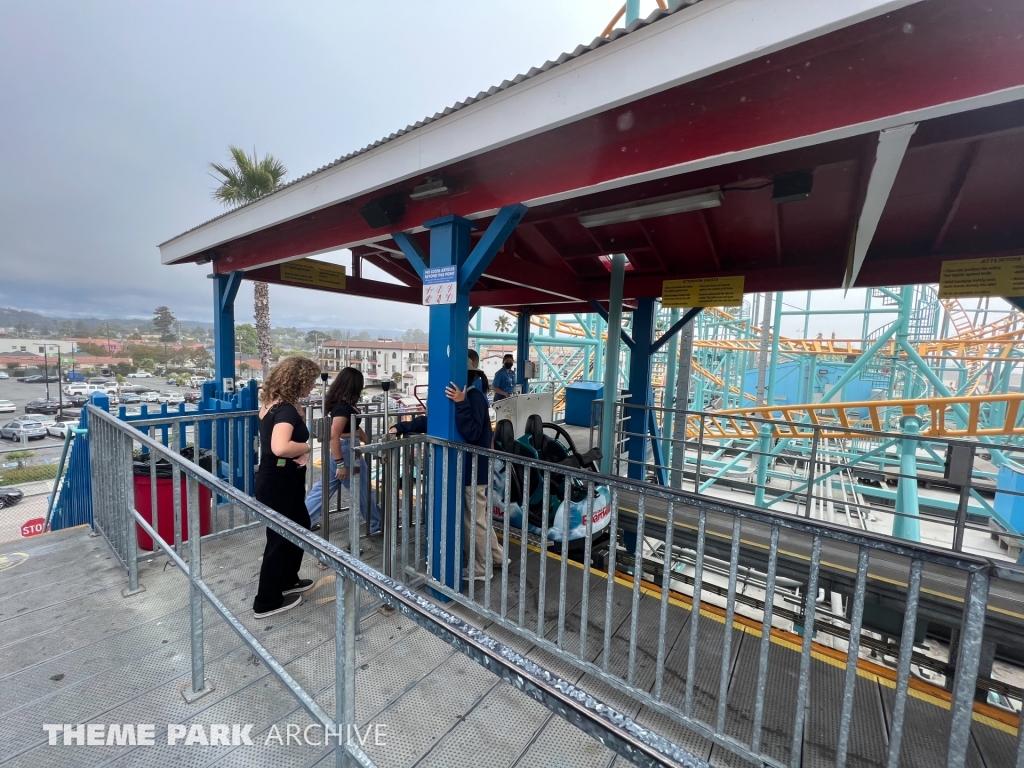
{"x":346,"y":387}
{"x":474,"y":375}
{"x":507,"y":354}
{"x":474,"y":356}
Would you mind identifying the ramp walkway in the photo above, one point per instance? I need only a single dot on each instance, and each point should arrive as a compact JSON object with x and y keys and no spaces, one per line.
{"x":72,"y":649}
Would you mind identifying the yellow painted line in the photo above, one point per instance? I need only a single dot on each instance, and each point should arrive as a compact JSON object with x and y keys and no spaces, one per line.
{"x":783,"y":641}
{"x":12,"y":560}
{"x":832,"y":565}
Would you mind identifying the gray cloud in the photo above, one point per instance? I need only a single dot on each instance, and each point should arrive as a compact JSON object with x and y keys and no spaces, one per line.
{"x":110,"y":112}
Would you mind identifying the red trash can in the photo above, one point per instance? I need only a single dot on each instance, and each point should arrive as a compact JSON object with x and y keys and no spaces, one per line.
{"x":165,"y":509}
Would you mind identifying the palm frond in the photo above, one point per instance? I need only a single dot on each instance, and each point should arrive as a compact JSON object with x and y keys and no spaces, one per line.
{"x":248,"y":179}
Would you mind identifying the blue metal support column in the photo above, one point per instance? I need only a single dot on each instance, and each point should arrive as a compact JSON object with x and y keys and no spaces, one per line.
{"x":611,"y":362}
{"x":522,"y":349}
{"x":640,"y":392}
{"x":225,"y":288}
{"x":449,"y":340}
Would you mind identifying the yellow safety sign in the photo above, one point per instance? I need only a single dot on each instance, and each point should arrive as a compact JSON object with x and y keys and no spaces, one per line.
{"x":982,"y":277}
{"x":702,"y":292}
{"x":312,"y":272}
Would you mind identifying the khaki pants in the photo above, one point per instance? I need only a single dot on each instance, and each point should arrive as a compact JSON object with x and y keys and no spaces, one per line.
{"x":479,"y":492}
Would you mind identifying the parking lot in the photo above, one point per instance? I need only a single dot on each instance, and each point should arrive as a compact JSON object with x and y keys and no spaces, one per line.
{"x":20,"y":394}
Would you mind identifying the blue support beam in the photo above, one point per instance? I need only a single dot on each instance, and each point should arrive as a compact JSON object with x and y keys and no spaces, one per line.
{"x":449,"y":340}
{"x":522,"y":349}
{"x":623,"y":335}
{"x":412,"y":252}
{"x":225,"y":289}
{"x":497,"y":233}
{"x":676,"y":328}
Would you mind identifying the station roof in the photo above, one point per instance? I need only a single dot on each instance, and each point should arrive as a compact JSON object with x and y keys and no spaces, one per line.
{"x":678,"y":142}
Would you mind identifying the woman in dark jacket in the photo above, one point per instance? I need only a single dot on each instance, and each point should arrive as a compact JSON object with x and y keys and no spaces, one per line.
{"x":473,"y":421}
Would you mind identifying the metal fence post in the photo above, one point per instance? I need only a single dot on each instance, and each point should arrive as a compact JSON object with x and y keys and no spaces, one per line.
{"x":811,"y":466}
{"x":764,"y":447}
{"x":344,"y":665}
{"x":200,"y":685}
{"x":125,"y":469}
{"x":325,"y":476}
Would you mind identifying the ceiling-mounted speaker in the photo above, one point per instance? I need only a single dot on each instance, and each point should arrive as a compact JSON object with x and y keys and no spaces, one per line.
{"x":790,"y":187}
{"x":385,"y":211}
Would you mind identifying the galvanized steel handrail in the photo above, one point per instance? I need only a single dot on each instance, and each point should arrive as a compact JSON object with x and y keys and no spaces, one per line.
{"x":441,"y":458}
{"x":640,"y":745}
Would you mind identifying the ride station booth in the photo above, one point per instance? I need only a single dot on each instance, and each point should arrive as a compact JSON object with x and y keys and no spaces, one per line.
{"x":712,"y":150}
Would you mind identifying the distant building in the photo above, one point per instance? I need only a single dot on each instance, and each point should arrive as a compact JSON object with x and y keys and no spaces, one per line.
{"x":37,"y":346}
{"x":378,"y":360}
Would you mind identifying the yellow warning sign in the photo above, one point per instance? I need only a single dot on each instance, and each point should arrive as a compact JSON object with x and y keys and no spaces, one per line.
{"x":702,"y":292}
{"x":312,"y":272}
{"x":982,"y":277}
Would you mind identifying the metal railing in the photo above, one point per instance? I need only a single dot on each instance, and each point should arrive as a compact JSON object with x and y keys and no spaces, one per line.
{"x":113,"y":444}
{"x":593,"y":602}
{"x":810,"y":470}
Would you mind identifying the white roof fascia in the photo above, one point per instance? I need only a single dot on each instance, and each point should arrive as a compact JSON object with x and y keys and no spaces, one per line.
{"x":688,"y":45}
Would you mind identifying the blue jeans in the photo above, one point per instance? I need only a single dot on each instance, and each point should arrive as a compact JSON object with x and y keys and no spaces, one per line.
{"x":314,"y":501}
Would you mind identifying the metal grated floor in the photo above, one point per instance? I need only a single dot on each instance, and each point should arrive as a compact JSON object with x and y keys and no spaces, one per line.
{"x":73,"y":650}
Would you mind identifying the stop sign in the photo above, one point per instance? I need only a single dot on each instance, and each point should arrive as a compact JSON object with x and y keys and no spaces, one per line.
{"x":33,"y":527}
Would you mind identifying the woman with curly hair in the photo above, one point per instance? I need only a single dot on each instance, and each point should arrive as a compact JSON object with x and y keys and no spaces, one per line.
{"x":281,"y":481}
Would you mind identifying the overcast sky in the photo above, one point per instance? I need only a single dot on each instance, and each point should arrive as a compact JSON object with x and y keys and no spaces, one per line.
{"x":111,"y":111}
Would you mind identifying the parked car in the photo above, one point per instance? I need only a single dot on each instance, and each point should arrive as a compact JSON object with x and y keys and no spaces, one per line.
{"x":42,"y":405}
{"x":60,"y":428}
{"x":78,"y":401}
{"x":140,"y":375}
{"x":10,"y":496}
{"x":22,"y":430}
{"x":130,"y":398}
{"x":172,"y":398}
{"x":6,"y":406}
{"x":150,"y":397}
{"x":97,"y":380}
{"x":4,"y":375}
{"x":36,"y":379}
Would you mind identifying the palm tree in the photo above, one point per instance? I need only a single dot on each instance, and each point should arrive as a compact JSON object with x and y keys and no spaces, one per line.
{"x":248,"y":179}
{"x":503,"y":324}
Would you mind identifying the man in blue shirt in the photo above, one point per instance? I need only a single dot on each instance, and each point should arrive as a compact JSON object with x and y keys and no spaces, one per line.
{"x":505,"y":379}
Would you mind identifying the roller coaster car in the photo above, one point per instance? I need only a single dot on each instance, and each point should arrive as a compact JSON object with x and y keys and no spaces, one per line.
{"x":539,"y":446}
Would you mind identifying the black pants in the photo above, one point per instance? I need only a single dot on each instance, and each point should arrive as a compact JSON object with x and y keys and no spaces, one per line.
{"x":283,"y":489}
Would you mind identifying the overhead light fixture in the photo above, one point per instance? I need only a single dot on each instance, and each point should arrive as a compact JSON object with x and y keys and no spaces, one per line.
{"x":790,"y":187}
{"x":429,"y":188}
{"x":667,"y":205}
{"x":204,"y":260}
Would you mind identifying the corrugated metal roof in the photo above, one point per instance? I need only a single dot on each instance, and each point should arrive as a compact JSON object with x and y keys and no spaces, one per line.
{"x":580,"y":50}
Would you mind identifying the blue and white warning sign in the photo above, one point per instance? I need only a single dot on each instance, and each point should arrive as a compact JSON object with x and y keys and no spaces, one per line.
{"x":439,"y":285}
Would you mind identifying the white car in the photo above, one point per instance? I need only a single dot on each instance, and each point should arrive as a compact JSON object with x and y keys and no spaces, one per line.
{"x":4,"y":375}
{"x":171,"y":398}
{"x":6,"y":406}
{"x":140,"y":375}
{"x":150,"y":397}
{"x":60,"y":429}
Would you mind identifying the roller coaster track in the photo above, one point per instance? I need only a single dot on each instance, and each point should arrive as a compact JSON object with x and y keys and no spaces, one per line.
{"x":949,"y":417}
